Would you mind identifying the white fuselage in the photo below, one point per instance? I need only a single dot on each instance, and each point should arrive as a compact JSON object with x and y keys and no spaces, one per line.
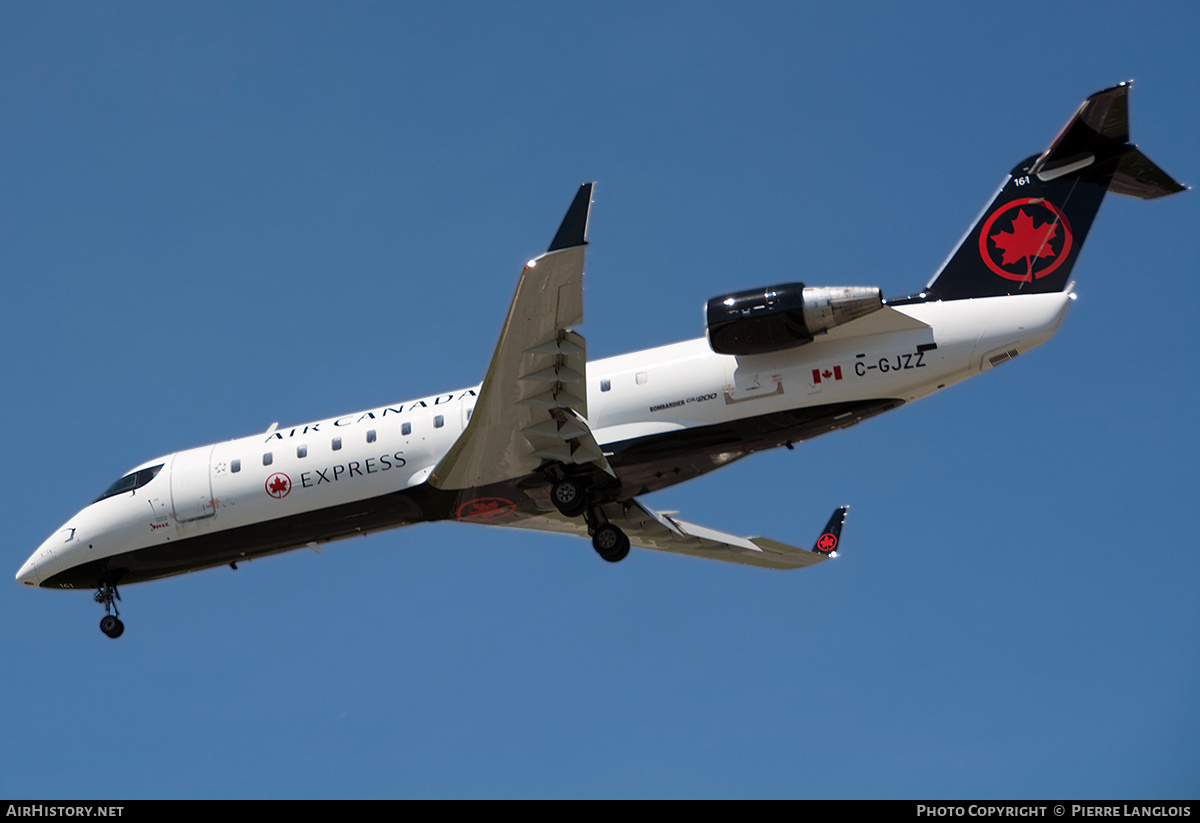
{"x":313,"y":467}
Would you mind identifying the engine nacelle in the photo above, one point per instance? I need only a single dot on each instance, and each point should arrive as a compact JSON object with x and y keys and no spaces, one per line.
{"x":783,"y":317}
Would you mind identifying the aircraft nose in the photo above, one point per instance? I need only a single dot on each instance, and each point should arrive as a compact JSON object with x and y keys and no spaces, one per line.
{"x":41,"y":565}
{"x":28,"y":574}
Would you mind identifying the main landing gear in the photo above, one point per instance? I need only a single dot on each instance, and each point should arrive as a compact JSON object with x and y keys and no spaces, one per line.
{"x":572,"y":499}
{"x":110,"y":624}
{"x":610,"y":543}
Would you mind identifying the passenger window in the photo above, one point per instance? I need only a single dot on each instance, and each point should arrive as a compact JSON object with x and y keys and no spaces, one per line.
{"x":235,"y":466}
{"x":302,"y":451}
{"x":605,"y":385}
{"x":371,"y":436}
{"x":337,"y":444}
{"x":268,"y":458}
{"x":406,"y":428}
{"x":641,"y":378}
{"x":438,"y":421}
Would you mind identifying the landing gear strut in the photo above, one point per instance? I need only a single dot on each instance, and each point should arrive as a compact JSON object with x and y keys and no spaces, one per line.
{"x":110,"y":624}
{"x":575,"y":497}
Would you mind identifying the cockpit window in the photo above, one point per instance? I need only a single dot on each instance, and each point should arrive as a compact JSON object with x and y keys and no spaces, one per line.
{"x":130,"y":482}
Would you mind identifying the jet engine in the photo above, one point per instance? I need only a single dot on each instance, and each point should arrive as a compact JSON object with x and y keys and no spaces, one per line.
{"x":783,"y":317}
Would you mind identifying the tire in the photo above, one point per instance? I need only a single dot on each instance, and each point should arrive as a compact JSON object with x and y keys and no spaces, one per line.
{"x":610,"y":543}
{"x":569,"y":497}
{"x":111,"y":626}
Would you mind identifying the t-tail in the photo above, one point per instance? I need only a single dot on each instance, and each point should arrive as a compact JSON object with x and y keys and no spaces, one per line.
{"x":1028,"y":239}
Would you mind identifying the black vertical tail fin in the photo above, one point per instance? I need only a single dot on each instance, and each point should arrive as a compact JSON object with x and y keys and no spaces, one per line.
{"x":1028,"y":239}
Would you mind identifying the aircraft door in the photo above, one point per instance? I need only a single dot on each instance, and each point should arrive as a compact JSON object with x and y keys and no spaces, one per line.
{"x":191,"y":485}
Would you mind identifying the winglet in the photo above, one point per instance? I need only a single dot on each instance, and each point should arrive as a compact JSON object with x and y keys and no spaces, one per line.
{"x":831,"y":537}
{"x":573,"y":230}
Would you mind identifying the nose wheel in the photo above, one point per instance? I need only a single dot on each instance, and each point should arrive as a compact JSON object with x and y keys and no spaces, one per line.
{"x":110,"y":624}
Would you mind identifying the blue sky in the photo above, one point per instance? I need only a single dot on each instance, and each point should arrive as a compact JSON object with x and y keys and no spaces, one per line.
{"x":217,"y":216}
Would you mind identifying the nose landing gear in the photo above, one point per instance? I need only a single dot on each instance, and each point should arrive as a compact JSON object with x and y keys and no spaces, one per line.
{"x":110,"y":624}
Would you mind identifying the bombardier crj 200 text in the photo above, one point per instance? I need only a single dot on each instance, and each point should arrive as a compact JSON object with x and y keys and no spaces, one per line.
{"x":553,"y":442}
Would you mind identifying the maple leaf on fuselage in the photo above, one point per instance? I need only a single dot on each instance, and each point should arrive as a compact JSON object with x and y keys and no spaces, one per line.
{"x":279,"y":485}
{"x":1025,"y":240}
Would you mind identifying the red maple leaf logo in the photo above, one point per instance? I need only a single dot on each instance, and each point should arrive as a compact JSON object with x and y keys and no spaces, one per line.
{"x":827,"y":543}
{"x":485,"y":508}
{"x":1036,"y":244}
{"x":1025,"y":240}
{"x":278,"y":485}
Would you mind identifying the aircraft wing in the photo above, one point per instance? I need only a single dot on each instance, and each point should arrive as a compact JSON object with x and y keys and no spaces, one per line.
{"x":664,"y":532}
{"x":532,"y":407}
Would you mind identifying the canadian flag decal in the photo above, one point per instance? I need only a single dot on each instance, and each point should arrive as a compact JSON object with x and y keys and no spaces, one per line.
{"x":827,"y":374}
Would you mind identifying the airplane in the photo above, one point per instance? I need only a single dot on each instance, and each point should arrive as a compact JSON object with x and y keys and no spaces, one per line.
{"x":551,"y":441}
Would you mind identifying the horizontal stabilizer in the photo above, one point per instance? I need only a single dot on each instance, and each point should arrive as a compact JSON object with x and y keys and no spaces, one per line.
{"x":1099,"y":127}
{"x":1098,"y":130}
{"x":1137,"y":176}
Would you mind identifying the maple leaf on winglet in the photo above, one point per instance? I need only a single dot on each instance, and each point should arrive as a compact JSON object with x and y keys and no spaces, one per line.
{"x":1025,"y":240}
